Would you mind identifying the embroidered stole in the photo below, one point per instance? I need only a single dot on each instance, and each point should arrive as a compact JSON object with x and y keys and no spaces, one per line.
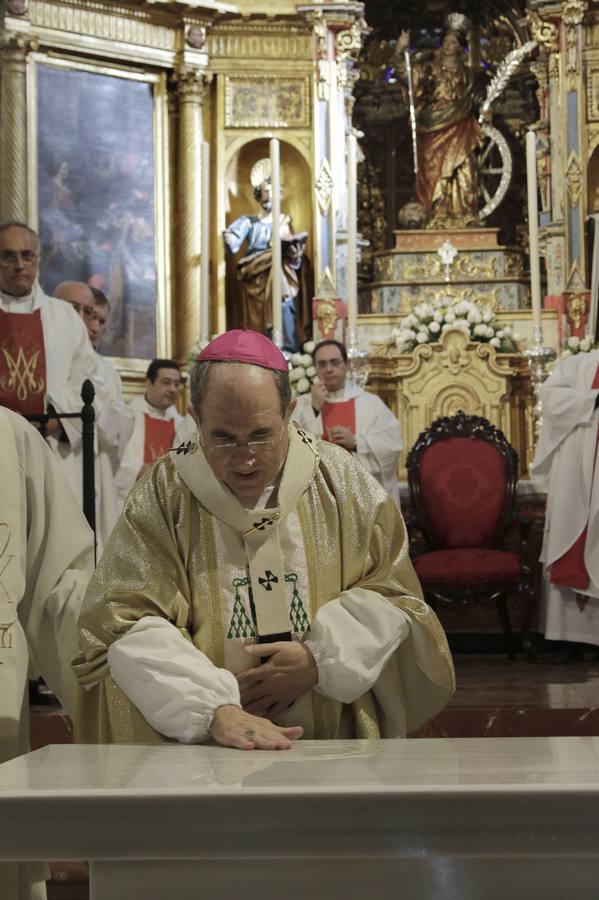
{"x":22,"y":362}
{"x":258,"y":528}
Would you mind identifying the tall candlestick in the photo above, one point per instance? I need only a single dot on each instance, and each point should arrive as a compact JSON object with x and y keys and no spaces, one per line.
{"x":533,"y":229}
{"x":205,"y":249}
{"x":352,"y":238}
{"x":275,"y":182}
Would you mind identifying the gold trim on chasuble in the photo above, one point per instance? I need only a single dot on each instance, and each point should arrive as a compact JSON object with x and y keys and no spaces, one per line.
{"x":208,"y":540}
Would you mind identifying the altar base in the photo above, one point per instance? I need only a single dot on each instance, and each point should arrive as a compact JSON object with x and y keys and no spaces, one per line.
{"x":413,"y":272}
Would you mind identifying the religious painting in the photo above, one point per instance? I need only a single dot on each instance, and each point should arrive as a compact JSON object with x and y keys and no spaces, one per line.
{"x":99,"y":165}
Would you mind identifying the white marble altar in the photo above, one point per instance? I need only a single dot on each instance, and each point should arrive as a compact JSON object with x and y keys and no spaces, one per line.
{"x":474,"y":819}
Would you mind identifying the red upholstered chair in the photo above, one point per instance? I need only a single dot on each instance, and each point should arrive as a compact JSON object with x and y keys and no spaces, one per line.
{"x":462,"y":476}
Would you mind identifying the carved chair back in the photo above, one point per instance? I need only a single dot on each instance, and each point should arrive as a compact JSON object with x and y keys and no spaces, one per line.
{"x":462,"y":476}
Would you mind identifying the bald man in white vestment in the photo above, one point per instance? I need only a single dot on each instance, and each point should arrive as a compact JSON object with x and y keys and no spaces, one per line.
{"x":344,"y":414}
{"x":566,"y":464}
{"x":46,"y":560}
{"x":115,"y":423}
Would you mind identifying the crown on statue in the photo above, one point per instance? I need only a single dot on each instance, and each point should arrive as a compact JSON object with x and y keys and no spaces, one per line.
{"x":457,"y":22}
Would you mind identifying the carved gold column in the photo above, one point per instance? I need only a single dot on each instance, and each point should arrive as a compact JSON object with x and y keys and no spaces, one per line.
{"x":13,"y":126}
{"x":190,"y":86}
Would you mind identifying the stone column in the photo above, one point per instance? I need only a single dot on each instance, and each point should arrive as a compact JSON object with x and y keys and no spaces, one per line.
{"x":190,"y":86}
{"x":13,"y":126}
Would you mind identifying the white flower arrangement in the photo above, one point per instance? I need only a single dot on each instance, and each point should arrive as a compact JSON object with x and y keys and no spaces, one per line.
{"x":576,"y":345}
{"x":302,"y":372}
{"x":428,"y":321}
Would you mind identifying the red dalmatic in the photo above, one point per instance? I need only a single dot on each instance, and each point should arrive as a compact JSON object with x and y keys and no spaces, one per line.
{"x":338,"y":414}
{"x":22,"y":362}
{"x":159,"y":436}
{"x":570,"y":570}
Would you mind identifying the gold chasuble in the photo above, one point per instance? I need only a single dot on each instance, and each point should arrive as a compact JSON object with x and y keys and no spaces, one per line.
{"x":187,"y":551}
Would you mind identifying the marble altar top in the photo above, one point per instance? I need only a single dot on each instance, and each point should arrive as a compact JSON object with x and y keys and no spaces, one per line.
{"x":178,"y":801}
{"x":329,"y":767}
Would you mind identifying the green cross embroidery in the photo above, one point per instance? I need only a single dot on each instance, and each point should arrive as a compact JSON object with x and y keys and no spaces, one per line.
{"x":297,"y":614}
{"x":240,"y":625}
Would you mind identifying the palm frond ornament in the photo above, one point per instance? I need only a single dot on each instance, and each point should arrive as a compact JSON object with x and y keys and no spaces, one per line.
{"x":504,"y":72}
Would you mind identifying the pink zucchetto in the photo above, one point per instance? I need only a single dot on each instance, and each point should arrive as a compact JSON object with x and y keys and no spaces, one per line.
{"x":244,"y":346}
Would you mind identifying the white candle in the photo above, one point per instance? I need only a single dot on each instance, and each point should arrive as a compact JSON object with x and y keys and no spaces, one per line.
{"x":533,"y":227}
{"x":352,"y":236}
{"x":275,"y":181}
{"x":205,"y":249}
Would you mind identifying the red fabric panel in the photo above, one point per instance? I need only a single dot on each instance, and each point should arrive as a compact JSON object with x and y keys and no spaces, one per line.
{"x":468,"y":567}
{"x":22,"y":362}
{"x":159,"y":436}
{"x":338,"y":414}
{"x":595,"y":383}
{"x":569,"y":570}
{"x":463,"y":483}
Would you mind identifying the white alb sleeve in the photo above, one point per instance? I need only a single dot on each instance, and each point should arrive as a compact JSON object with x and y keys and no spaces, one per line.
{"x":352,"y":639}
{"x":174,"y":685}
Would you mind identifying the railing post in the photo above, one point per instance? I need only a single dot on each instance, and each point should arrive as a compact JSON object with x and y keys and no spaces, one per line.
{"x":88,"y":415}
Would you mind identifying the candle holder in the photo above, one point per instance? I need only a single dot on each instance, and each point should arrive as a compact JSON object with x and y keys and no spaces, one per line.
{"x":538,"y":358}
{"x":359,"y":360}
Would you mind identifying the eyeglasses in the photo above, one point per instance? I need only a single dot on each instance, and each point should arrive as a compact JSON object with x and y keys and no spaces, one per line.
{"x":10,"y":258}
{"x":253,"y":447}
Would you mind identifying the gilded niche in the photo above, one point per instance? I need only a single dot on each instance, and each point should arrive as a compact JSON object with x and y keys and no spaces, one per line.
{"x":267,"y":101}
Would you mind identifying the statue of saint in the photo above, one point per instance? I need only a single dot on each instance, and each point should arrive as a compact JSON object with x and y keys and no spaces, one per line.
{"x":254,"y":267}
{"x":448,"y":133}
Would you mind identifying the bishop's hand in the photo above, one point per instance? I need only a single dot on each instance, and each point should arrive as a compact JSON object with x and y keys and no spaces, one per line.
{"x":289,"y":672}
{"x":234,"y":727}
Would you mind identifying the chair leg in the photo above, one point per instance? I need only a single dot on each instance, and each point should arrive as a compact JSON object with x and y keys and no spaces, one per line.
{"x":504,"y":618}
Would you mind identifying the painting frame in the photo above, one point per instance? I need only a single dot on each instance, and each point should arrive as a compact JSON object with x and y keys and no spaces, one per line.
{"x":129,"y":363}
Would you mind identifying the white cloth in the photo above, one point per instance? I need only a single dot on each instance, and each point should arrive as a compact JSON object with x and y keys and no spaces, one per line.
{"x":378,"y":437}
{"x":70,"y":359}
{"x":563,"y":465}
{"x":178,"y":689}
{"x":133,"y":457}
{"x":46,"y":560}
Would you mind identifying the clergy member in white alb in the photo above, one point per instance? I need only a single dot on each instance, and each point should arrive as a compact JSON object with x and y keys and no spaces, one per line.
{"x":566,"y":462}
{"x":45,"y":353}
{"x":114,"y":424}
{"x":256,"y":543}
{"x":350,"y":417}
{"x":46,"y":560}
{"x":158,"y":425}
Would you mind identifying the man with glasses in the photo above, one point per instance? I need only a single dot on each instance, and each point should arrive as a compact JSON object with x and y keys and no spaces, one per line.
{"x":45,"y":355}
{"x":341,"y":412}
{"x":114,"y":421}
{"x":158,"y":425}
{"x":257,"y":587}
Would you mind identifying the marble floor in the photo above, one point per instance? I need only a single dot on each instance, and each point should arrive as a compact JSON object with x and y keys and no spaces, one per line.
{"x":498,"y":697}
{"x":495,"y":697}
